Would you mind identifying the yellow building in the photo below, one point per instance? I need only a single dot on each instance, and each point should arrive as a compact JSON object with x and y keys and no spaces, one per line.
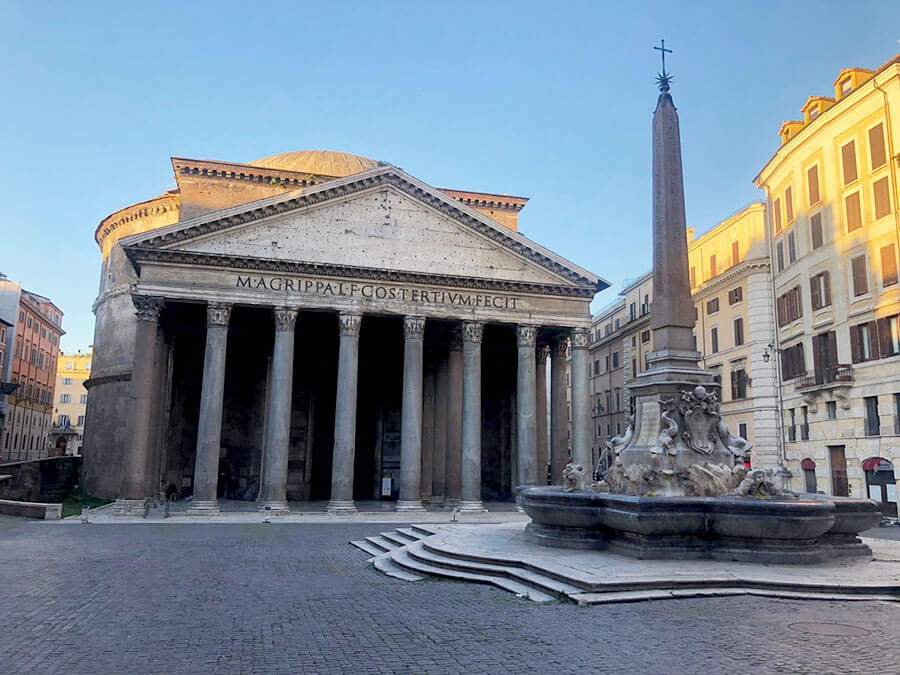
{"x":71,"y":400}
{"x":833,"y":238}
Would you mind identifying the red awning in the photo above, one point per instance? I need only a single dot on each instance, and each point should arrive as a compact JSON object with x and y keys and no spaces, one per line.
{"x":808,"y":465}
{"x":877,"y":464}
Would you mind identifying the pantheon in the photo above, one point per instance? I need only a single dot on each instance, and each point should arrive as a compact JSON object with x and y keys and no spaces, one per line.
{"x":318,"y":325}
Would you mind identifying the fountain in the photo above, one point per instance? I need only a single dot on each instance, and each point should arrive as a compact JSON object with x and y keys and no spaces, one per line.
{"x":676,"y":485}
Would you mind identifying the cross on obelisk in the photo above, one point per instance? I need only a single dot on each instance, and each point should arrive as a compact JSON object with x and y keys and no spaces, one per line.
{"x":662,"y":49}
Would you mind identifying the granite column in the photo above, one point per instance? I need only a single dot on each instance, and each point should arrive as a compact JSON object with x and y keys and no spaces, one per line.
{"x":581,"y":400}
{"x":345,"y":416}
{"x":471,"y":419}
{"x":439,"y":462}
{"x":559,"y":418}
{"x":526,"y":402}
{"x":541,"y":411}
{"x":410,"y":498}
{"x":453,"y":451}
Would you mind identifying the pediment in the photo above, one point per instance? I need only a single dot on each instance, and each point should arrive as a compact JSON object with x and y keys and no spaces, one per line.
{"x":381,"y":219}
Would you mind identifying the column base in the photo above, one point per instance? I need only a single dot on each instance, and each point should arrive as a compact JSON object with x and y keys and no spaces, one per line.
{"x":276,"y":506}
{"x":471,"y":506}
{"x":130,"y":508}
{"x":436,"y":500}
{"x":411,"y":505}
{"x":340,"y":506}
{"x":451,"y":502}
{"x":200,"y":507}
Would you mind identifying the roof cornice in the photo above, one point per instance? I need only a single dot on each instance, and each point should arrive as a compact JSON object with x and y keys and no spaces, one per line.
{"x":731,"y":275}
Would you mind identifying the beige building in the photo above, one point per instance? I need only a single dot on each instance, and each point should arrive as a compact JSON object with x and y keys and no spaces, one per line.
{"x":833,"y":238}
{"x":70,"y":404}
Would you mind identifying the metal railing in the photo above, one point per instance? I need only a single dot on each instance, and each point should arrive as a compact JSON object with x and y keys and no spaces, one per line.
{"x":836,"y":374}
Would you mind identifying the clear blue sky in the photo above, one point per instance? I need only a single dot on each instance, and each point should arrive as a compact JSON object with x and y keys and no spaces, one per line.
{"x":548,"y":100}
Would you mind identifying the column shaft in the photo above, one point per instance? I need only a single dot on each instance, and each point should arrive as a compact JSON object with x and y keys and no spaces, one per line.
{"x":453,"y":451}
{"x":526,"y":404}
{"x":559,"y":419}
{"x":276,"y":446}
{"x":428,"y":398}
{"x":209,"y":427}
{"x":440,"y":433}
{"x":345,"y":416}
{"x":411,"y":416}
{"x":135,"y":484}
{"x":581,"y":400}
{"x":541,"y":412}
{"x":471,"y":419}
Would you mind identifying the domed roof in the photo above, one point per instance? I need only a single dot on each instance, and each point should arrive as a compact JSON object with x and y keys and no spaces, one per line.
{"x":320,"y":162}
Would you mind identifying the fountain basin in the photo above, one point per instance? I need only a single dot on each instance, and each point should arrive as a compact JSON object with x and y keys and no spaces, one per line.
{"x":806,"y":529}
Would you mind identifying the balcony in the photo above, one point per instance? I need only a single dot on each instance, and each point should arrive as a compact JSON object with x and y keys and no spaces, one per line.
{"x":830,"y":376}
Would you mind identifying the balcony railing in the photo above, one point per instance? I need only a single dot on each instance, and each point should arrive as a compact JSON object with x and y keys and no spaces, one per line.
{"x":839,"y":374}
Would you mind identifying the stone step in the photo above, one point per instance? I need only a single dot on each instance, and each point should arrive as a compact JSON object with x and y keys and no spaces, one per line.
{"x":365,"y":546}
{"x":384,"y":545}
{"x":426,"y":530}
{"x":420,"y":551}
{"x":410,"y":534}
{"x":396,"y":539}
{"x":385,"y":564}
{"x":402,"y":558}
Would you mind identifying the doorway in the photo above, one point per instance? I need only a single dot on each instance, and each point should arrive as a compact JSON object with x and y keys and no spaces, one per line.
{"x":839,"y":485}
{"x":881,"y":484}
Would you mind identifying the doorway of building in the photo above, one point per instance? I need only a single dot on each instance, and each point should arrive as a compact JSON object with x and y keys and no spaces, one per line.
{"x":881,"y":484}
{"x":809,"y":475}
{"x":839,"y":485}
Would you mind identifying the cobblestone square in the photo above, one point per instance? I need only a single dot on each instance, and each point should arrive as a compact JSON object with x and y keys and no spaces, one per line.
{"x":297,"y":598}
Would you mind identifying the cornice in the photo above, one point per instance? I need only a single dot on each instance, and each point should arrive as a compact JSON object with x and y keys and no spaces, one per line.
{"x":373,"y":178}
{"x":140,"y":254}
{"x":151,"y":207}
{"x":109,"y":294}
{"x":731,"y":275}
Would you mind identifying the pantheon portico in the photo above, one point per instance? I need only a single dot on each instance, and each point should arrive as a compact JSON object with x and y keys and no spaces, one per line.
{"x":320,"y":326}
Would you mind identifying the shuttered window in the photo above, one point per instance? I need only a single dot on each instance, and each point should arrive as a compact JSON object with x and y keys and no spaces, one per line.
{"x":815,"y":230}
{"x":789,"y":206}
{"x":789,"y":306}
{"x":714,"y":340}
{"x":792,"y":362}
{"x":854,"y":219}
{"x":712,"y":306}
{"x":882,"y":198}
{"x":889,"y":335}
{"x":812,"y":180}
{"x":735,"y":295}
{"x":860,"y":278}
{"x":776,"y":207}
{"x":888,"y":266}
{"x":864,"y":343}
{"x":738,"y":384}
{"x":876,"y":146}
{"x":738,"y":331}
{"x":820,"y":290}
{"x":779,"y":251}
{"x":792,"y":248}
{"x":848,"y":162}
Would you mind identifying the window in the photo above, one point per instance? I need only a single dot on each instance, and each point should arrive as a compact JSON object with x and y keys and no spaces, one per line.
{"x":618,"y":323}
{"x":712,"y":306}
{"x":846,"y":87}
{"x":882,"y":198}
{"x":815,"y":230}
{"x":67,"y":380}
{"x":82,"y":399}
{"x":742,"y":430}
{"x":714,"y":339}
{"x":65,"y":398}
{"x":634,"y":369}
{"x":618,"y":399}
{"x":599,"y":431}
{"x":831,"y":409}
{"x":876,"y":146}
{"x":792,"y":248}
{"x":889,"y":335}
{"x":820,"y":290}
{"x":632,"y":311}
{"x":788,"y":206}
{"x":792,"y":363}
{"x":776,"y":207}
{"x":607,"y":362}
{"x":897,"y":413}
{"x":607,"y":405}
{"x":792,"y":427}
{"x":69,"y":365}
{"x":789,"y":306}
{"x":738,"y":331}
{"x":854,"y":219}
{"x":738,"y":384}
{"x":812,"y":182}
{"x":693,"y":277}
{"x":872,"y":422}
{"x":29,"y":322}
{"x":713,"y":270}
{"x":645,"y":336}
{"x":735,"y":295}
{"x":596,"y":367}
{"x":634,"y":340}
{"x":615,"y":359}
{"x":860,"y":278}
{"x":735,"y":253}
{"x":888,"y":266}
{"x":804,"y":427}
{"x":848,"y":162}
{"x":81,"y":420}
{"x":645,"y":306}
{"x":779,"y":254}
{"x":864,"y":342}
{"x":62,"y":421}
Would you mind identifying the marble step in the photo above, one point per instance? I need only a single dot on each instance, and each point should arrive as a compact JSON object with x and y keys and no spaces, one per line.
{"x":384,"y":545}
{"x":424,"y":530}
{"x":385,"y":564}
{"x":410,"y":534}
{"x":662,"y":594}
{"x":421,"y":551}
{"x":396,"y":539}
{"x":365,"y":546}
{"x":402,"y":558}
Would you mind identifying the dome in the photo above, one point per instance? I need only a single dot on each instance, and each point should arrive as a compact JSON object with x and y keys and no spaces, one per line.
{"x":319,"y":162}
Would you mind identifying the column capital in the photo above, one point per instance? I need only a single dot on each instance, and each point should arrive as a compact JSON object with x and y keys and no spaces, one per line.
{"x":147,"y":307}
{"x":543,"y":351}
{"x":560,"y":347}
{"x":413,"y":327}
{"x":526,"y":335}
{"x":473,"y":331}
{"x":285,"y":319}
{"x":218,"y":314}
{"x":580,"y":338}
{"x":349,"y":323}
{"x":456,"y":339}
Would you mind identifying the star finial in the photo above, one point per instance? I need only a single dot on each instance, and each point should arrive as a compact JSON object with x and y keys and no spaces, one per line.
{"x":663,"y":79}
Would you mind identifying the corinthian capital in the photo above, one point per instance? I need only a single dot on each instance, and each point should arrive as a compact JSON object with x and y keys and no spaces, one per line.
{"x":543,"y":352}
{"x":473,"y":331}
{"x":526,"y":335}
{"x":218,"y":314}
{"x":561,"y":347}
{"x":456,"y":339}
{"x":348,"y":323}
{"x":579,"y":338}
{"x":147,"y":307}
{"x":413,"y":327}
{"x":285,"y":319}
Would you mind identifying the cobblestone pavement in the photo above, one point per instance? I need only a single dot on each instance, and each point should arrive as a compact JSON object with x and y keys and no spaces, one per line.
{"x":293,"y":598}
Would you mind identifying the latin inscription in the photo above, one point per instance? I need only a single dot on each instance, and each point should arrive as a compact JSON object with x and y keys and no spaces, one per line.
{"x":349,"y":289}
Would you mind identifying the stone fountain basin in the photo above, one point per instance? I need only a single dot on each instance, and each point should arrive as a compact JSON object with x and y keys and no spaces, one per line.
{"x":808,"y":528}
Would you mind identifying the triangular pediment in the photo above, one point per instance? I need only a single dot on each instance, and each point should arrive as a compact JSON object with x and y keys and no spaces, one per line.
{"x":380,"y":219}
